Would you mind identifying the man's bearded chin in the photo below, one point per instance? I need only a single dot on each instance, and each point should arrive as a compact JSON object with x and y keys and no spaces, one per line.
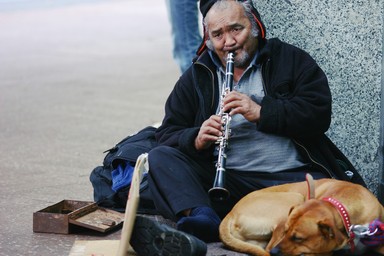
{"x":242,"y":59}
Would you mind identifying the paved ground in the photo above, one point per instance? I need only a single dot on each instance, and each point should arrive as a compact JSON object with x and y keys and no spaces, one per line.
{"x":74,"y":80}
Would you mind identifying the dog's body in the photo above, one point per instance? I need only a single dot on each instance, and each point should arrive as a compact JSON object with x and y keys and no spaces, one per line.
{"x":282,"y":217}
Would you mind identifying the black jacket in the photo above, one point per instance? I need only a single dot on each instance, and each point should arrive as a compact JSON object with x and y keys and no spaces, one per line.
{"x":297,"y":104}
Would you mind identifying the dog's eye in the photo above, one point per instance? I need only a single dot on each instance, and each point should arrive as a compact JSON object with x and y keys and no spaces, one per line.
{"x":296,"y":239}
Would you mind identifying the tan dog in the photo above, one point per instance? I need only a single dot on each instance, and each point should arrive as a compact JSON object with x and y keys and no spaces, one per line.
{"x":281,"y":217}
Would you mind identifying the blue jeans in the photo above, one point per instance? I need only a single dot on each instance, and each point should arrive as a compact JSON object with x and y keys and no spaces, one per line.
{"x":184,"y":19}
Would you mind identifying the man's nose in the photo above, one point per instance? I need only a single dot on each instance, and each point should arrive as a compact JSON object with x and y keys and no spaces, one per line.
{"x":229,"y":40}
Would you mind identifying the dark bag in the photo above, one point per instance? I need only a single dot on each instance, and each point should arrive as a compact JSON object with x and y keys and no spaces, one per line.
{"x":125,"y":152}
{"x":325,"y":155}
{"x":341,"y":165}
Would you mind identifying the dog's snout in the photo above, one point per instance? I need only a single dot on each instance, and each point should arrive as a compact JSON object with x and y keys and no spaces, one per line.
{"x":275,"y":252}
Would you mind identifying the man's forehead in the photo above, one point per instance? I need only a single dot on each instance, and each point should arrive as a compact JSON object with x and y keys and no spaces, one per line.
{"x":221,"y":18}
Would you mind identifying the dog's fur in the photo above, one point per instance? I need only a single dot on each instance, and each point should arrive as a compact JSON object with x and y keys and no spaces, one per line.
{"x":296,"y":221}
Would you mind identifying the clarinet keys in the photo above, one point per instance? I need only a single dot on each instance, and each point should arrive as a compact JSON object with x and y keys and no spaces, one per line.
{"x":218,"y":192}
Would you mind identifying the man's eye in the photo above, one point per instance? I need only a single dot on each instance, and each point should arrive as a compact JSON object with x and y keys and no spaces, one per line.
{"x":217,"y":36}
{"x":237,"y":29}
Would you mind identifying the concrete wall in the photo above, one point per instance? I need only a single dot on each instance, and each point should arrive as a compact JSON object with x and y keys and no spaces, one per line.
{"x":381,"y":185}
{"x":346,"y":38}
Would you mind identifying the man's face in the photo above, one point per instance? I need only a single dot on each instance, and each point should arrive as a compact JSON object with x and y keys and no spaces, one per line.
{"x":229,"y":29}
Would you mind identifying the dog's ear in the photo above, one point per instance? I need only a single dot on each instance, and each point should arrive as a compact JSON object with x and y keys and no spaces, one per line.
{"x":277,"y":235}
{"x":291,"y":209}
{"x":310,"y":186}
{"x":331,"y":234}
{"x":326,"y":230}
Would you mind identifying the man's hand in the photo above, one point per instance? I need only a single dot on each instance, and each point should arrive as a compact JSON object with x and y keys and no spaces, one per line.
{"x":209,"y":132}
{"x":239,"y":103}
{"x":212,"y":128}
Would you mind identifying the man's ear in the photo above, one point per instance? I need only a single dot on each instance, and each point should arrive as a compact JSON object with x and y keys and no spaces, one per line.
{"x":277,"y":235}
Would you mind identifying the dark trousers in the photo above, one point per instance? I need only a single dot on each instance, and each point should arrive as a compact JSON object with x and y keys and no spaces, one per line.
{"x":178,"y":182}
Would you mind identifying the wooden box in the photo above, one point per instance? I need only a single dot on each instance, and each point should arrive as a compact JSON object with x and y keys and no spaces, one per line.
{"x":67,"y":216}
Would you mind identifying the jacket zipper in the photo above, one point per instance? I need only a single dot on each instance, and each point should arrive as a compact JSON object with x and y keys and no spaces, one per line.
{"x":313,"y":160}
{"x":212,"y":80}
{"x":264,"y":67}
{"x":263,"y":76}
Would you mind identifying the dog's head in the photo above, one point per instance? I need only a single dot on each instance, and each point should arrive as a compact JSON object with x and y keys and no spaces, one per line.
{"x":312,"y":228}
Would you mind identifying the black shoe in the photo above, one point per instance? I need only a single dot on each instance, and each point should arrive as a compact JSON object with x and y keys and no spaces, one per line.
{"x":150,"y":238}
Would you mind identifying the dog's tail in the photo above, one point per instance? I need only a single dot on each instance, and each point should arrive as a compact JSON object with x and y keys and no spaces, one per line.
{"x":311,"y":186}
{"x":232,"y":241}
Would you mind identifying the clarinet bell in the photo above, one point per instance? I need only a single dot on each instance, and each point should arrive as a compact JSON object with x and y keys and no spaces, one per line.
{"x":218,"y":194}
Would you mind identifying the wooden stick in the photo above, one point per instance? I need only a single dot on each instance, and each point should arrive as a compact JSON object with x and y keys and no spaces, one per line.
{"x":132,"y":204}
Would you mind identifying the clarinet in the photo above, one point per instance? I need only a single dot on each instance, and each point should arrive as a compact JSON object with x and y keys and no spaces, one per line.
{"x":218,"y":192}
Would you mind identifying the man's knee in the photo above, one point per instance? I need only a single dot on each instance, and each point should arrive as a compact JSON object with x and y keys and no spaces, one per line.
{"x":160,"y":155}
